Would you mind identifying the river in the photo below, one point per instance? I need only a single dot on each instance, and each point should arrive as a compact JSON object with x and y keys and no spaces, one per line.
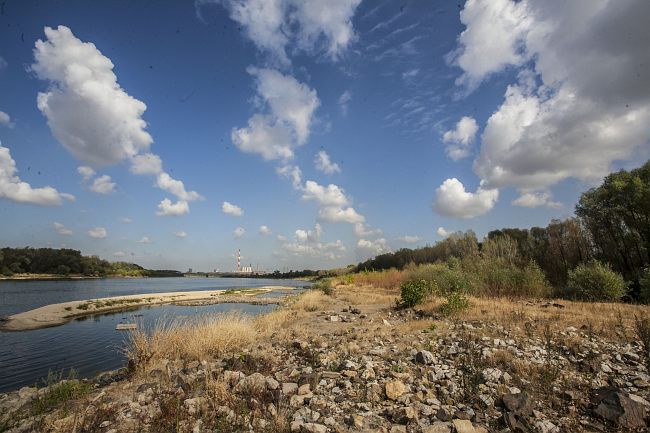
{"x":91,"y":344}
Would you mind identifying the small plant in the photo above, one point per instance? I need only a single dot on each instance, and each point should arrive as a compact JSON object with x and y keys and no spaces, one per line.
{"x":433,"y":327}
{"x":83,"y":306}
{"x":642,"y":328}
{"x":413,"y":292}
{"x":59,"y":392}
{"x":594,"y":281}
{"x":230,"y":292}
{"x":456,"y":302}
{"x":324,"y":286}
{"x":349,"y":279}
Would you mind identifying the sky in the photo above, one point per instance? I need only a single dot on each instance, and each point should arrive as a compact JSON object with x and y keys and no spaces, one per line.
{"x":308,"y":134}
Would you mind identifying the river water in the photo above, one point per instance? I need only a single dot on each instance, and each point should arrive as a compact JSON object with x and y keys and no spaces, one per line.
{"x":91,"y":344}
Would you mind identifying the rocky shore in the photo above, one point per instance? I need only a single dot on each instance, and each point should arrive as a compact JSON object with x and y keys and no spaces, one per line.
{"x":352,"y":362}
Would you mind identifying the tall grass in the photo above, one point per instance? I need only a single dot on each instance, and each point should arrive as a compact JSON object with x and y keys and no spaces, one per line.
{"x":388,"y":279}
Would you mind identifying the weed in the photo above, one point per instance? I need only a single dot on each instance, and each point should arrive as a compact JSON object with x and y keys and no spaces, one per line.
{"x":413,"y":292}
{"x":455,"y":303}
{"x":59,"y":392}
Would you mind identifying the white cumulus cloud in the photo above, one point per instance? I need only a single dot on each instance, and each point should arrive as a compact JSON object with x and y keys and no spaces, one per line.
{"x":334,"y":205}
{"x":14,"y":189}
{"x":442,"y":232}
{"x":308,"y":243}
{"x":460,"y":138}
{"x":239,"y":232}
{"x":180,"y":234}
{"x":97,"y":233}
{"x":582,"y":99}
{"x":369,"y":248}
{"x":144,"y":240}
{"x":231,"y":209}
{"x":452,"y":200}
{"x":278,"y":26}
{"x":325,"y":164}
{"x":91,"y":115}
{"x":291,"y":106}
{"x":103,"y":185}
{"x":5,"y":120}
{"x":86,"y":172}
{"x":536,"y":199}
{"x":62,"y":230}
{"x":167,"y":208}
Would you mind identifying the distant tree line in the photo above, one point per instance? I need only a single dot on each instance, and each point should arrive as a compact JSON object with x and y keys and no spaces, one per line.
{"x":65,"y":262}
{"x":612,"y":226}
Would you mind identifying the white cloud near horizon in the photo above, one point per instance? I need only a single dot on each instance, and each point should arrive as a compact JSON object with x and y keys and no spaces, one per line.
{"x":98,"y":233}
{"x":239,"y":232}
{"x":16,"y":190}
{"x":308,"y":243}
{"x":280,"y":27}
{"x":460,"y":138}
{"x":91,"y":115}
{"x":442,"y":232}
{"x":371,"y":248}
{"x":325,"y":164}
{"x":231,"y":209}
{"x":409,"y":239}
{"x":180,"y":234}
{"x":144,"y":240}
{"x":536,"y":199}
{"x":453,"y":200}
{"x":265,"y":230}
{"x":62,"y":229}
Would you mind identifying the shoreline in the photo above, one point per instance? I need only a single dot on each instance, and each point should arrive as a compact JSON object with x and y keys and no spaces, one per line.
{"x":59,"y":314}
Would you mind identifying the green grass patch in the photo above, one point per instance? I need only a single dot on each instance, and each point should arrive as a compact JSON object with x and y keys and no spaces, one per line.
{"x":59,"y":393}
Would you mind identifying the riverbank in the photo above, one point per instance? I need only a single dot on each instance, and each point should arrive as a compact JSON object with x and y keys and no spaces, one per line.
{"x":59,"y":314}
{"x":352,"y":362}
{"x":36,"y":277}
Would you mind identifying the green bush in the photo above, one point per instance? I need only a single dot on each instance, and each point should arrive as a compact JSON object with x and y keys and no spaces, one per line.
{"x":594,"y":281}
{"x":499,"y":277}
{"x":455,"y":303}
{"x":413,"y":292}
{"x":644,"y":283}
{"x":324,"y":286}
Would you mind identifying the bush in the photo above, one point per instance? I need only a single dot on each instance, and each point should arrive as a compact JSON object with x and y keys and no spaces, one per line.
{"x":456,"y":302}
{"x":594,"y":281}
{"x":413,"y":292}
{"x":498,"y":277}
{"x":644,"y":284}
{"x":324,"y":286}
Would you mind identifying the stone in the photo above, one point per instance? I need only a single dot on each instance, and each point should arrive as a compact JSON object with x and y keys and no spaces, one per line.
{"x":272,"y":384}
{"x":403,"y":415}
{"x":311,"y":427}
{"x":424,"y":357}
{"x":438,"y":427}
{"x":195,"y":405}
{"x":545,"y":426}
{"x":304,"y":389}
{"x":616,"y":406}
{"x":395,"y":389}
{"x":520,"y":404}
{"x":443,"y":415}
{"x":463,"y":426}
{"x":289,"y":388}
{"x":253,"y":385}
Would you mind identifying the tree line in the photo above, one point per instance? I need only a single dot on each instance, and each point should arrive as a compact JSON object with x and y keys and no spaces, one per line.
{"x":611,"y":226}
{"x":66,"y":262}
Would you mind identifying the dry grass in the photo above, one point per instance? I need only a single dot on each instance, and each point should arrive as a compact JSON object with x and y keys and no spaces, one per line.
{"x":311,"y":300}
{"x":388,"y":279}
{"x":612,"y":320}
{"x":366,"y":294}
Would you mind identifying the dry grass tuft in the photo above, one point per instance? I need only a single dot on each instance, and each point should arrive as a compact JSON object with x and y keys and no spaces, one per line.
{"x":366,"y":294}
{"x":312,"y":300}
{"x":388,"y":279}
{"x":611,"y":320}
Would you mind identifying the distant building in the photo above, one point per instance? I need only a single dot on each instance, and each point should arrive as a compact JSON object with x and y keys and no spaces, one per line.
{"x":247,"y":269}
{"x":189,"y":271}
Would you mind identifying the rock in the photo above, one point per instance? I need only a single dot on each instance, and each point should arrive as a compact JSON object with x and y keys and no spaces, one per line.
{"x":403,"y":415}
{"x":520,"y":404}
{"x":311,"y":427}
{"x":395,"y":389}
{"x":272,"y":384}
{"x":437,"y":427}
{"x":424,"y":357}
{"x":304,"y":389}
{"x":195,"y":405}
{"x":104,"y":424}
{"x":289,"y":388}
{"x":335,"y":319}
{"x":616,"y":406}
{"x":330,"y":375}
{"x":463,"y":426}
{"x":443,"y":415}
{"x":492,"y":375}
{"x":545,"y":426}
{"x":254,"y":384}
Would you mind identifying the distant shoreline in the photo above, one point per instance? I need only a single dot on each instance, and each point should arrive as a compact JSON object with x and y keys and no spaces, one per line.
{"x":55,"y":277}
{"x":59,"y":314}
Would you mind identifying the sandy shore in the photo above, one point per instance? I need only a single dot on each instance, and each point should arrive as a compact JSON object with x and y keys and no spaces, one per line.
{"x":59,"y":314}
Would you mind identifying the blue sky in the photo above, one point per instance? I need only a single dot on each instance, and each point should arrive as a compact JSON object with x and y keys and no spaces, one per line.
{"x":345,"y":128}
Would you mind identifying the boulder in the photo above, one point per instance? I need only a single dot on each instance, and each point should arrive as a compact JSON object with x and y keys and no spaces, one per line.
{"x":617,"y":406}
{"x":424,"y":357}
{"x":395,"y":389}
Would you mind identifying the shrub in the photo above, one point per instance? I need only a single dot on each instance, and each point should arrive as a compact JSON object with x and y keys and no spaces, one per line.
{"x":413,"y":292}
{"x":387,"y":279}
{"x":59,"y":392}
{"x":324,"y":286}
{"x":594,"y":281}
{"x":644,"y":284}
{"x":455,"y":303}
{"x":499,"y":277}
